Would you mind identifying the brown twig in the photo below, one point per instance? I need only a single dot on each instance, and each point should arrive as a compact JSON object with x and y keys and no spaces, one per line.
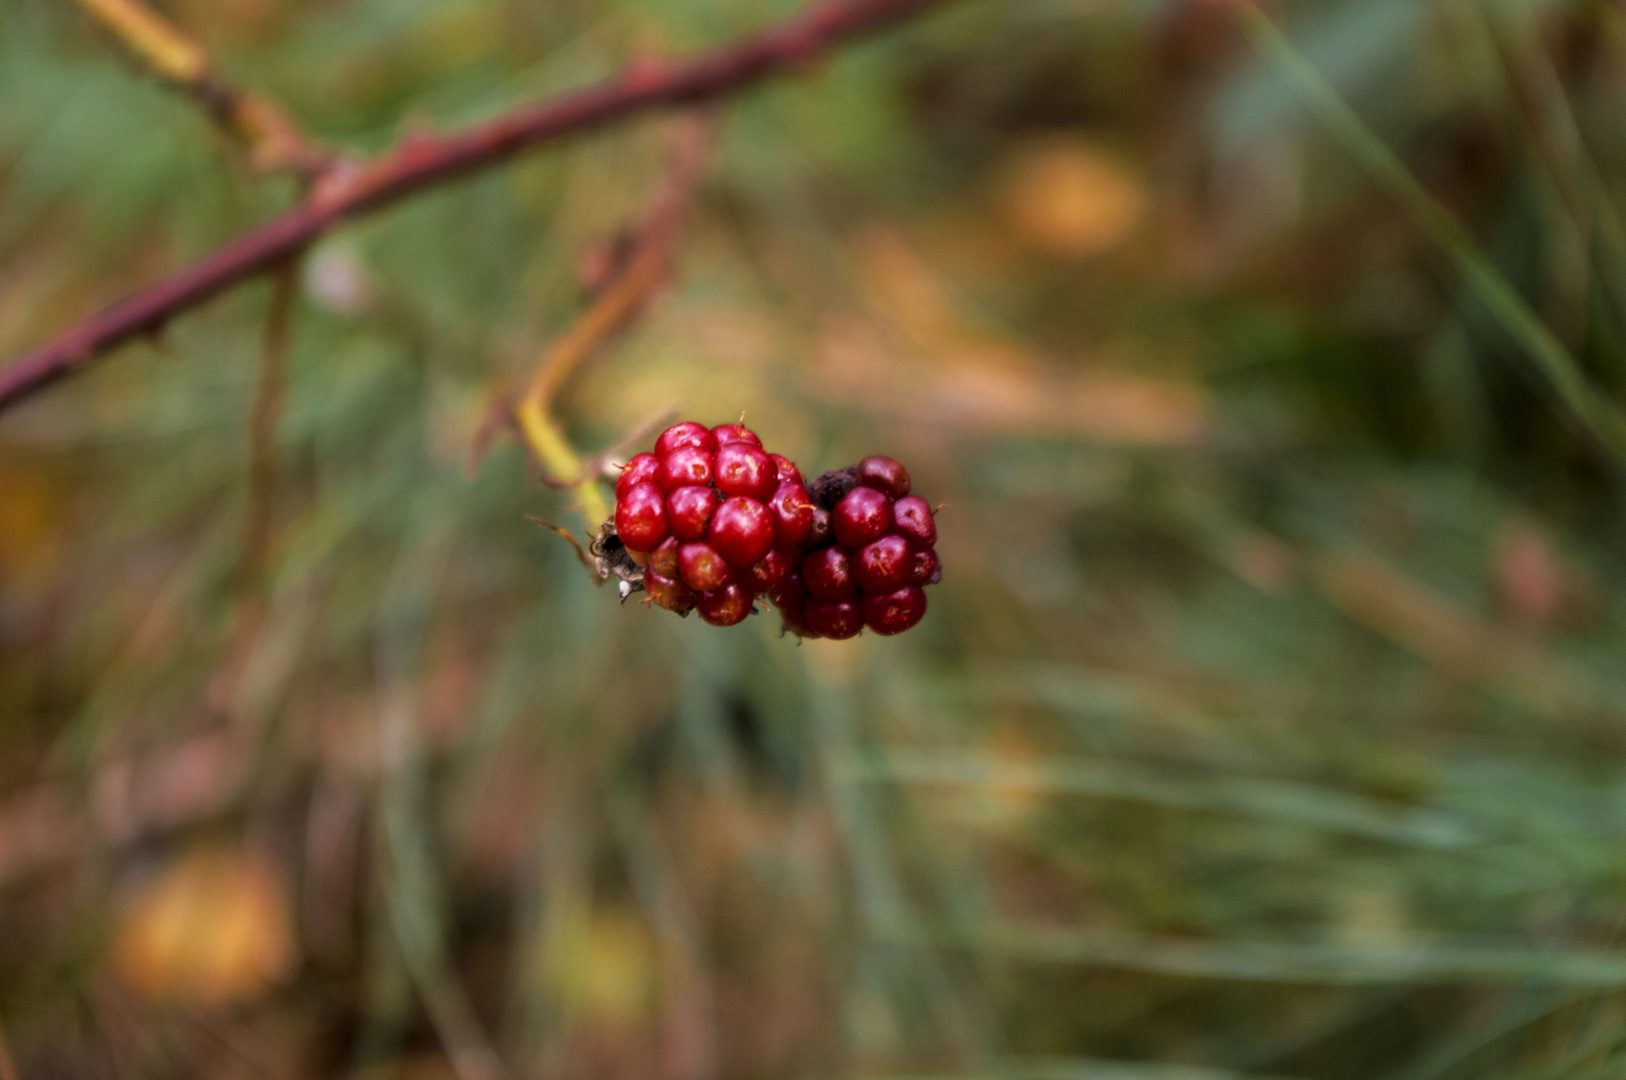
{"x":275,"y":143}
{"x":262,"y":462}
{"x":422,"y":161}
{"x":252,"y":577}
{"x":641,"y":274}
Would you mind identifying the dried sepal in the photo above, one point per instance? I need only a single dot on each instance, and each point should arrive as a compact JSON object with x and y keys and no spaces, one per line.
{"x":604,"y":557}
{"x":612,"y":559}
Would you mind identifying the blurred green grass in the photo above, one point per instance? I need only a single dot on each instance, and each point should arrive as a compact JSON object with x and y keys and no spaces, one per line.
{"x":1267,"y":721}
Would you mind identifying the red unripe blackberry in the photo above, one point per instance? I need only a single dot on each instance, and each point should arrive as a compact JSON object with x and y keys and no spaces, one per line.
{"x":927,"y":570}
{"x":641,"y":469}
{"x":687,"y":433}
{"x":790,"y":594}
{"x":863,"y":515}
{"x":668,"y":593}
{"x":640,"y":518}
{"x":884,"y":474}
{"x":789,"y":597}
{"x":792,"y":512}
{"x":689,"y":510}
{"x":819,"y":532}
{"x":787,"y":469}
{"x":833,"y":618}
{"x":894,"y":612}
{"x":725,"y":607}
{"x":768,"y":572}
{"x":827,"y":574}
{"x":883,"y":565}
{"x":912,"y":518}
{"x":702,"y":569}
{"x":795,"y":619}
{"x":743,"y":469}
{"x":742,"y":530}
{"x":663,"y":560}
{"x":733,"y":433}
{"x":685,"y":466}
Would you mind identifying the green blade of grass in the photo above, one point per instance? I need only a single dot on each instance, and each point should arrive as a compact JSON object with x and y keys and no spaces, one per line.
{"x":411,"y":889}
{"x":1088,"y":1069}
{"x":1597,"y":414}
{"x":1274,"y":800}
{"x":1521,"y":1014}
{"x":1427,"y":960}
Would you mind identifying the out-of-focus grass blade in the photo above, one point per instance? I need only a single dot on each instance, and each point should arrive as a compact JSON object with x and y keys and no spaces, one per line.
{"x":1090,"y":1069}
{"x":1600,"y":416}
{"x":1428,"y":960}
{"x":1274,"y":800}
{"x":1593,"y":1054}
{"x":411,"y":889}
{"x":1108,"y":710}
{"x":1518,"y":1015}
{"x":877,"y":880}
{"x":1568,"y":166}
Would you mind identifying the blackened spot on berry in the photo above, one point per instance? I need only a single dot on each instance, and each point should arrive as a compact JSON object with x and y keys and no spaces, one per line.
{"x":833,"y":486}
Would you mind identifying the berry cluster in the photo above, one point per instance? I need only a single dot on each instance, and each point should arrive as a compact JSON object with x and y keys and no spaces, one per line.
{"x":713,"y":521}
{"x":870,"y":555}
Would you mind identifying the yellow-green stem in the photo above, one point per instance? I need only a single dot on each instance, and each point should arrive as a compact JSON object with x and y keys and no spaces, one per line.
{"x":558,"y":457}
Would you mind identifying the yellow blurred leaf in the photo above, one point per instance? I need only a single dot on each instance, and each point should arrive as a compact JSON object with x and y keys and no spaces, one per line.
{"x":1004,"y":803}
{"x":997,"y":392}
{"x":609,"y":968}
{"x":1374,"y":916}
{"x":213,"y":927}
{"x":1071,"y":198}
{"x":29,"y":510}
{"x":953,"y":375}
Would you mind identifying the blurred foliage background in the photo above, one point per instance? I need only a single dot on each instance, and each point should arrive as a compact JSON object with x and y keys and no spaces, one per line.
{"x":1270,"y":718}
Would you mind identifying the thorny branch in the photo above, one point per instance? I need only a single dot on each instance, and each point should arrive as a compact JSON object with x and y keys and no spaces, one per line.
{"x":422,"y":161}
{"x":274,"y":142}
